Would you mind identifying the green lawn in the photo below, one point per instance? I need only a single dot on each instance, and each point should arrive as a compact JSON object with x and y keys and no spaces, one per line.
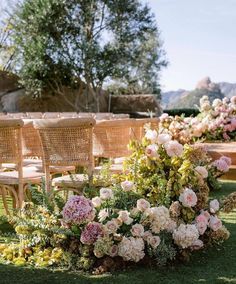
{"x":211,"y":266}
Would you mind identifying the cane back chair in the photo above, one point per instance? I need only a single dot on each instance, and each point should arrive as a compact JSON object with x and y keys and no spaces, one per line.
{"x":66,"y":142}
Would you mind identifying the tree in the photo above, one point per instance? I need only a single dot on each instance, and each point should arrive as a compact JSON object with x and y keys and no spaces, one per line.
{"x":84,"y":44}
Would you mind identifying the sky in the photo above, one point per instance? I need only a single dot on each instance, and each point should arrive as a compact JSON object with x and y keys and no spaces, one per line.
{"x":200,"y":40}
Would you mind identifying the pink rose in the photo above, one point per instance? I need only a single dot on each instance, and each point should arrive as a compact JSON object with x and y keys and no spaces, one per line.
{"x":154,"y":241}
{"x":151,"y":151}
{"x":196,"y":245}
{"x":137,"y":230}
{"x":163,"y":138}
{"x":113,"y":251}
{"x":174,"y":148}
{"x":142,"y":204}
{"x":202,"y":222}
{"x":127,"y":185}
{"x":96,"y":201}
{"x":188,"y":198}
{"x":215,"y":223}
{"x":112,"y":226}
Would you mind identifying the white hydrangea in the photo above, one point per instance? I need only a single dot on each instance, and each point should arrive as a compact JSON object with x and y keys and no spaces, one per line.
{"x":185,"y":235}
{"x":131,"y":249}
{"x":159,"y":217}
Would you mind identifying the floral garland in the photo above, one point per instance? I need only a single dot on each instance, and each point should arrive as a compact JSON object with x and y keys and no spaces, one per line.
{"x":216,"y":122}
{"x":158,"y":212}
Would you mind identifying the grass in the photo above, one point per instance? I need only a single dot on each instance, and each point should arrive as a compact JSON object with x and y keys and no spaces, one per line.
{"x":211,"y":266}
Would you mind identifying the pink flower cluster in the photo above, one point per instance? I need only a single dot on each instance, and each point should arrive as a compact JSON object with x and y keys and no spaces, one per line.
{"x":91,"y":233}
{"x":222,"y":164}
{"x":78,"y":210}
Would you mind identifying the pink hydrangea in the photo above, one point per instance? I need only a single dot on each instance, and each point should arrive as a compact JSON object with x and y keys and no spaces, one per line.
{"x":78,"y":210}
{"x":221,"y":165}
{"x":227,"y":160}
{"x":91,"y":233}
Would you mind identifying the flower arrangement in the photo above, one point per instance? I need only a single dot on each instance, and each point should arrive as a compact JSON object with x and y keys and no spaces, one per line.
{"x":158,"y":212}
{"x":216,"y":121}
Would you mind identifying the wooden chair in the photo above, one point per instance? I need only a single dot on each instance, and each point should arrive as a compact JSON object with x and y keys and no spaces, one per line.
{"x":11,"y":152}
{"x":120,"y":116}
{"x":111,"y":139}
{"x":17,"y":115}
{"x":34,"y":115}
{"x":66,"y":142}
{"x":103,"y":116}
{"x":86,"y":115}
{"x":51,"y":115}
{"x":139,"y":126}
{"x":68,"y":114}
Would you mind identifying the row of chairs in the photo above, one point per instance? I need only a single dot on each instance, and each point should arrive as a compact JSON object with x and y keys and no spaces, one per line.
{"x":39,"y":115}
{"x":59,"y":145}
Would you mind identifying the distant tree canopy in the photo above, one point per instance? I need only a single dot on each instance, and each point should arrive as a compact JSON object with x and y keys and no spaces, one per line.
{"x":86,"y":43}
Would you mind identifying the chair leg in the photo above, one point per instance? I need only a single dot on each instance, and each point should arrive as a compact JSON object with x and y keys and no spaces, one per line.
{"x":4,"y":200}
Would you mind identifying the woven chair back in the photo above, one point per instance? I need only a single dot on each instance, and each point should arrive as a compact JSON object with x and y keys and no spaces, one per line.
{"x":10,"y":141}
{"x":139,"y":126}
{"x":66,"y":141}
{"x":111,"y":138}
{"x":31,"y":141}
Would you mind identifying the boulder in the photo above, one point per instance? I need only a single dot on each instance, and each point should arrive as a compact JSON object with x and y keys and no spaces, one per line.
{"x":135,"y":104}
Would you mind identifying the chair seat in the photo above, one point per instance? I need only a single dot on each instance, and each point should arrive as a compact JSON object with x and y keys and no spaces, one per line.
{"x":119,"y":160}
{"x":55,"y":169}
{"x":30,"y":175}
{"x":113,"y":169}
{"x":38,"y":163}
{"x":72,"y":181}
{"x":26,"y":163}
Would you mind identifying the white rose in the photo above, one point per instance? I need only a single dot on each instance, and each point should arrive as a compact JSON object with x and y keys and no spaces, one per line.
{"x":151,"y":135}
{"x":142,"y":204}
{"x":124,"y":217}
{"x":127,"y":185}
{"x":163,"y":138}
{"x":102,"y":215}
{"x":202,"y":171}
{"x":146,"y":235}
{"x":137,"y":230}
{"x":106,"y":193}
{"x":96,"y":201}
{"x":214,"y":206}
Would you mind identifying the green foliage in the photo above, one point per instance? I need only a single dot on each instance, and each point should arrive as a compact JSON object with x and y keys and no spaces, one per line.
{"x":182,"y":111}
{"x":66,"y":43}
{"x":165,"y":252}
